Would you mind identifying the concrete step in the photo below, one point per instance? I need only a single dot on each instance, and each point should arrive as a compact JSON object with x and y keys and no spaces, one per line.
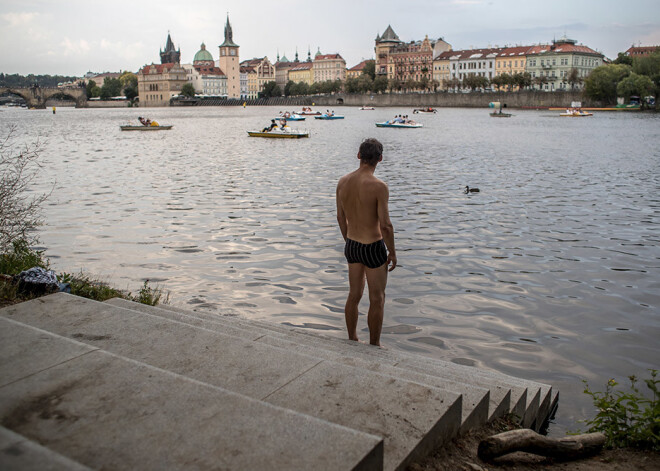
{"x":412,"y":418}
{"x":20,"y":453}
{"x":102,"y":411}
{"x":533,"y":402}
{"x":476,"y":400}
{"x":529,"y":400}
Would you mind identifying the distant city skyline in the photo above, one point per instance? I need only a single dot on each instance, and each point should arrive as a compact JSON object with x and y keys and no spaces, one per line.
{"x":72,"y":38}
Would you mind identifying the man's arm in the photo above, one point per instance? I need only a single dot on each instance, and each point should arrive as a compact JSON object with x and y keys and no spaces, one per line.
{"x":341,"y":216}
{"x":386,"y":227}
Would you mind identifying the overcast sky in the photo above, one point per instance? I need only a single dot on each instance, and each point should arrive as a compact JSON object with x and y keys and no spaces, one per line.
{"x":72,"y":37}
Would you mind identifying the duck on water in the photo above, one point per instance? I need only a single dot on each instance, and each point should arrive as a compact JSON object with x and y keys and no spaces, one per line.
{"x":469,"y":190}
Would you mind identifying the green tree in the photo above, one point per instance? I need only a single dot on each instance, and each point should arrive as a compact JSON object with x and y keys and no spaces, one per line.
{"x":365,"y":83}
{"x":635,"y":85}
{"x":90,"y":86}
{"x":188,"y":89}
{"x":623,"y":58}
{"x":541,"y":80}
{"x":523,"y":80}
{"x":128,"y":79}
{"x":288,"y":88}
{"x":574,"y":78}
{"x":111,"y":87}
{"x":351,"y":85}
{"x":271,"y":89}
{"x":370,"y":69}
{"x":380,"y":84}
{"x":601,"y":83}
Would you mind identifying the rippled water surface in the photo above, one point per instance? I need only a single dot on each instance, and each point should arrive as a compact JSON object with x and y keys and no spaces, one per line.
{"x":550,"y":273}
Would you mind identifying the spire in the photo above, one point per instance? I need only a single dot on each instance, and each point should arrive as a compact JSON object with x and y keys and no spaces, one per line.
{"x":296,"y":55}
{"x":169,"y":55}
{"x":309,"y":54}
{"x":278,"y":55}
{"x":229,"y":35}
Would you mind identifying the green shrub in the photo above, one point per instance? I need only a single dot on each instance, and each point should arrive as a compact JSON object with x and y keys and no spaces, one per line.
{"x":628,"y":419}
{"x":82,"y":285}
{"x":21,"y":257}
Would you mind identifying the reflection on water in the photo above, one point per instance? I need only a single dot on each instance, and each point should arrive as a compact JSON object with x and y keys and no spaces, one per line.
{"x":550,"y":273}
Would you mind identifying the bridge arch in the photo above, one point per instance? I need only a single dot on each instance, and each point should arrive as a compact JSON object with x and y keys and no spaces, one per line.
{"x":36,"y":96}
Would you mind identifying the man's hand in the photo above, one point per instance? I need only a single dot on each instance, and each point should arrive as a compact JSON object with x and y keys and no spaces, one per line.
{"x":391,"y":259}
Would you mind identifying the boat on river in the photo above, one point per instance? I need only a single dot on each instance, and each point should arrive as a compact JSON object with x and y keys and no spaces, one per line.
{"x":292,"y":117}
{"x":367,"y":108}
{"x":499,"y":114}
{"x":575,"y":113}
{"x":329,"y":116}
{"x":140,"y":127}
{"x":286,"y":133}
{"x":387,"y":124}
{"x":425,"y":110}
{"x":307,"y":111}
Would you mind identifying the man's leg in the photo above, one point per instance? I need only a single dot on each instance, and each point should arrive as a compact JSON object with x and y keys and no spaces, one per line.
{"x":377,"y":280}
{"x":356,"y":288}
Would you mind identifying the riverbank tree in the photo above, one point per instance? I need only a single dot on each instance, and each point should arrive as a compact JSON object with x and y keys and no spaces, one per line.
{"x":20,"y":207}
{"x":639,"y":76}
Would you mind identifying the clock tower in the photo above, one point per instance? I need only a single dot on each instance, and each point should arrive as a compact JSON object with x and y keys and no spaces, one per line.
{"x":229,"y":63}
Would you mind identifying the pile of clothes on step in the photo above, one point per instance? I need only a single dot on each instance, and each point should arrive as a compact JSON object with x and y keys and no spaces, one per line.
{"x":38,"y":281}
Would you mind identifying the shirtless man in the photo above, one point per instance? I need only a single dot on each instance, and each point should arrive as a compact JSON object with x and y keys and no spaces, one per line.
{"x":364,"y":221}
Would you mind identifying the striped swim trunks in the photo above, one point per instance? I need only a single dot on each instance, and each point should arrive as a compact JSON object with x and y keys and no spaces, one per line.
{"x":372,"y":255}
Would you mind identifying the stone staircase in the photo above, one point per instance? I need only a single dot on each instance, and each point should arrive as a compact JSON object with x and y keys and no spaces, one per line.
{"x":120,"y":385}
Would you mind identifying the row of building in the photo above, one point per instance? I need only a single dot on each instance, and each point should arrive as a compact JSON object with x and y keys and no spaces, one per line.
{"x":434,"y":63}
{"x":228,"y":76}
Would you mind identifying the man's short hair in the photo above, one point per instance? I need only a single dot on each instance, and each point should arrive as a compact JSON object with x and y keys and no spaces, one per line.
{"x":371,"y":150}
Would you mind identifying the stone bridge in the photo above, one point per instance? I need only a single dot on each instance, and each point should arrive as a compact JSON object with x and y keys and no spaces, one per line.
{"x":36,"y":96}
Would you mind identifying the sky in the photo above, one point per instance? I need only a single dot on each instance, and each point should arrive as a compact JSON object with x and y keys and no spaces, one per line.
{"x":72,"y":37}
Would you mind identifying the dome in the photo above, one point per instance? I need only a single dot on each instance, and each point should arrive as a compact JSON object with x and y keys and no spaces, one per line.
{"x":203,"y":55}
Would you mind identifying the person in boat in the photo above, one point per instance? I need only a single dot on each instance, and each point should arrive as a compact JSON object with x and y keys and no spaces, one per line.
{"x":364,"y":222}
{"x":282,"y":123}
{"x":287,"y":114}
{"x":272,"y":126}
{"x":144,"y":121}
{"x":398,"y":119}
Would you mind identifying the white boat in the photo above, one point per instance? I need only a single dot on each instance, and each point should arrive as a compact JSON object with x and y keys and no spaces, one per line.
{"x":367,"y":108}
{"x":278,"y":133}
{"x":387,"y":124}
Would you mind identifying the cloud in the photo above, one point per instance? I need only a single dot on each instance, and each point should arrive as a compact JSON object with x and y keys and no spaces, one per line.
{"x":19,"y":19}
{"x":75,"y":47}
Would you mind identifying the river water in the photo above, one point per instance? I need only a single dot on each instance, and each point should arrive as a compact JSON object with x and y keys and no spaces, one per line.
{"x":551,"y":272}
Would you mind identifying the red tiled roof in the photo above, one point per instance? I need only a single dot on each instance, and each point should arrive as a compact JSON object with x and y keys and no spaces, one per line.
{"x":303,"y":66}
{"x":361,"y":65}
{"x":209,"y":70}
{"x":467,"y":53}
{"x":157,"y":67}
{"x":514,"y":51}
{"x":561,"y":47}
{"x":328,"y":57}
{"x":642,"y":50}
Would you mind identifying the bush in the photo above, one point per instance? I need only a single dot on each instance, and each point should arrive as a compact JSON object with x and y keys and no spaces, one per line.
{"x":19,"y":214}
{"x":628,"y":419}
{"x":20,"y":258}
{"x":84,"y":286}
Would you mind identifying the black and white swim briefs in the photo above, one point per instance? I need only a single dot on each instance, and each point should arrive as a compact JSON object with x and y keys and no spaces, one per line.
{"x":371,"y":255}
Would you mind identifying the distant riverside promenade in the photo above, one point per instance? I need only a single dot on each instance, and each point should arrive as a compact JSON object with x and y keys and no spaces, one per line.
{"x":523,"y":99}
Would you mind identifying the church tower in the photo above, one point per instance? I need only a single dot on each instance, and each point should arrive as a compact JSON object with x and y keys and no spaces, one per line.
{"x":170,"y":55}
{"x":229,"y":63}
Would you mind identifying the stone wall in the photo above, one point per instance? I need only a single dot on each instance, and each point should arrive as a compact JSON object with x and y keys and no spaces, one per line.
{"x":108,"y":104}
{"x":524,"y":99}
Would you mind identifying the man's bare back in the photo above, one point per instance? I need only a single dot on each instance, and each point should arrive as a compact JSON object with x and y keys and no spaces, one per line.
{"x":364,"y":221}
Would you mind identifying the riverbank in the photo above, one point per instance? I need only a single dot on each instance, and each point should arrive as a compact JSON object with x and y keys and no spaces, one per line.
{"x":461,"y":455}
